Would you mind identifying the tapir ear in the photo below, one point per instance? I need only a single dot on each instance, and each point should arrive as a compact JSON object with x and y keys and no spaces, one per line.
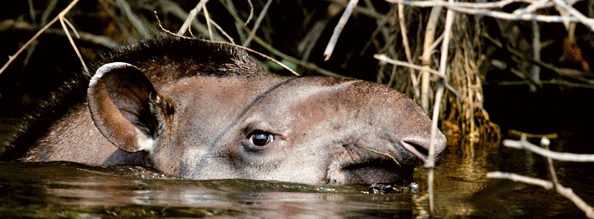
{"x":121,"y":100}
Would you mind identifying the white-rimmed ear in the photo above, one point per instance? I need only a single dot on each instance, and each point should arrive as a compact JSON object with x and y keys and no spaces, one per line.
{"x":120,"y":100}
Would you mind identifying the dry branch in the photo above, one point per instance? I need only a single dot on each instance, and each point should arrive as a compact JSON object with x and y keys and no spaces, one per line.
{"x":438,"y":95}
{"x":191,"y":16}
{"x":566,"y":192}
{"x":289,"y":58}
{"x":83,"y":36}
{"x":62,"y":21}
{"x":384,"y":58}
{"x":208,"y":23}
{"x":406,"y":46}
{"x":171,"y":7}
{"x":524,"y":144}
{"x":59,"y":17}
{"x":427,"y":53}
{"x":484,"y":9}
{"x":338,"y":28}
{"x":257,"y":24}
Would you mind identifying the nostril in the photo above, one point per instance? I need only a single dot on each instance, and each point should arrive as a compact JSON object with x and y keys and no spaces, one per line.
{"x":416,"y":148}
{"x":421,"y":149}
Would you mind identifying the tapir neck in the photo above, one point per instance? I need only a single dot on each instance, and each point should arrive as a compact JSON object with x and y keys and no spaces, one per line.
{"x":75,"y":138}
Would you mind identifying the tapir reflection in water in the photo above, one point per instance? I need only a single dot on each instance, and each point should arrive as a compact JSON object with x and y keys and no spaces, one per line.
{"x":201,"y":110}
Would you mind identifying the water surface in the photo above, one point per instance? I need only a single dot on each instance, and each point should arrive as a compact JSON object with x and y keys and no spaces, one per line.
{"x":70,"y":190}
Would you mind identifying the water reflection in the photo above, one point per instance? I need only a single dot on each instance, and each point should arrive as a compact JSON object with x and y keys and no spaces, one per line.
{"x":57,"y":189}
{"x":50,"y":189}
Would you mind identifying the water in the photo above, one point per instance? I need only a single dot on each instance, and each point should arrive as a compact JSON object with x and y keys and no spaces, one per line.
{"x":69,"y":190}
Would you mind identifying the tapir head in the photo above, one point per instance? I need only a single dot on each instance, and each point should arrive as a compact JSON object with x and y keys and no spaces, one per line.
{"x":263,"y":127}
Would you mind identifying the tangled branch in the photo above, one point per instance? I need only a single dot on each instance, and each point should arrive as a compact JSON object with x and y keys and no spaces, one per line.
{"x":553,"y":184}
{"x":63,"y":21}
{"x":568,"y":13}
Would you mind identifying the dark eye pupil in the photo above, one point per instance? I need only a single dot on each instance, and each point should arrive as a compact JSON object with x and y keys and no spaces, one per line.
{"x":261,"y":139}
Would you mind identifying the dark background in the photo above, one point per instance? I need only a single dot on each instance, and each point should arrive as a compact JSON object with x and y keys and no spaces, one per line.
{"x":561,"y":109}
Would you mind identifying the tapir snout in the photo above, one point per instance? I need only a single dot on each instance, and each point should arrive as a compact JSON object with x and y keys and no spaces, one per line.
{"x":203,"y":110}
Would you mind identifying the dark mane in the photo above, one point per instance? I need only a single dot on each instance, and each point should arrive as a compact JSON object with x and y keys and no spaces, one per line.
{"x":171,"y":58}
{"x":163,"y":59}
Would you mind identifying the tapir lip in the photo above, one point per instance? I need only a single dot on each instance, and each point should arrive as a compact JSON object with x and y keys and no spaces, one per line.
{"x":360,"y":164}
{"x":377,"y":170}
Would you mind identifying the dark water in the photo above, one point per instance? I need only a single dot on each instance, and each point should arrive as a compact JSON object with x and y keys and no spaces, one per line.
{"x":68,"y":190}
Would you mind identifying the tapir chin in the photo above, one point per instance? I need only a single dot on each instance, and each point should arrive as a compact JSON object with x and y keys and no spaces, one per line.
{"x":196,"y":109}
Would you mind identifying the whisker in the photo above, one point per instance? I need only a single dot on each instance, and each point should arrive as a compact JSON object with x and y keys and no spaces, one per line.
{"x":387,"y":155}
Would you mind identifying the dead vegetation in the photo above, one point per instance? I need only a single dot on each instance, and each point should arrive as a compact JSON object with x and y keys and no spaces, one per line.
{"x":395,"y":30}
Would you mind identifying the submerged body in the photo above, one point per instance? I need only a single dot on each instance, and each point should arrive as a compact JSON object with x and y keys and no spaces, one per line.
{"x":202,"y":110}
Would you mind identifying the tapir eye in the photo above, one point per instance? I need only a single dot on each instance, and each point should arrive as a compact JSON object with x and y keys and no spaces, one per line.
{"x":261,"y":138}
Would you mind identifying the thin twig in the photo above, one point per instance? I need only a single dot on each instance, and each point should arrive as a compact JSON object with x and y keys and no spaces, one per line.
{"x":171,"y":7}
{"x":88,"y":37}
{"x":405,"y":43}
{"x":384,"y":154}
{"x":71,"y":27}
{"x":384,"y":58}
{"x":499,"y":4}
{"x":222,"y":31}
{"x":62,"y":21}
{"x":257,"y":24}
{"x":338,"y":29}
{"x":191,"y":16}
{"x":427,"y":52}
{"x":544,"y":142}
{"x":393,"y":75}
{"x":519,"y":178}
{"x":430,"y":163}
{"x":446,"y":42}
{"x":438,"y":95}
{"x":231,"y":44}
{"x":166,"y":30}
{"x":251,"y":12}
{"x":533,"y":7}
{"x":566,"y":192}
{"x":274,"y":51}
{"x":480,"y":9}
{"x":575,"y":13}
{"x":13,"y":57}
{"x":523,"y":144}
{"x":208,"y":22}
{"x":435,"y":43}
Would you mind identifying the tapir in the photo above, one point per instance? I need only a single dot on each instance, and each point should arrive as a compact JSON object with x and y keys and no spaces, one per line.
{"x":196,"y":109}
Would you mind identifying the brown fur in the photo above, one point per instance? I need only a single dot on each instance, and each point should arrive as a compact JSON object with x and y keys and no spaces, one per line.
{"x":190,"y":108}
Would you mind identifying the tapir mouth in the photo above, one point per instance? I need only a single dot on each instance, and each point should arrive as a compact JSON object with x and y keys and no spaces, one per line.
{"x":368,"y":167}
{"x":377,"y":171}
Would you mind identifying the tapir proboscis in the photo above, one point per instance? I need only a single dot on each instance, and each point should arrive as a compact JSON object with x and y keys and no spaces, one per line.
{"x":202,"y":110}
